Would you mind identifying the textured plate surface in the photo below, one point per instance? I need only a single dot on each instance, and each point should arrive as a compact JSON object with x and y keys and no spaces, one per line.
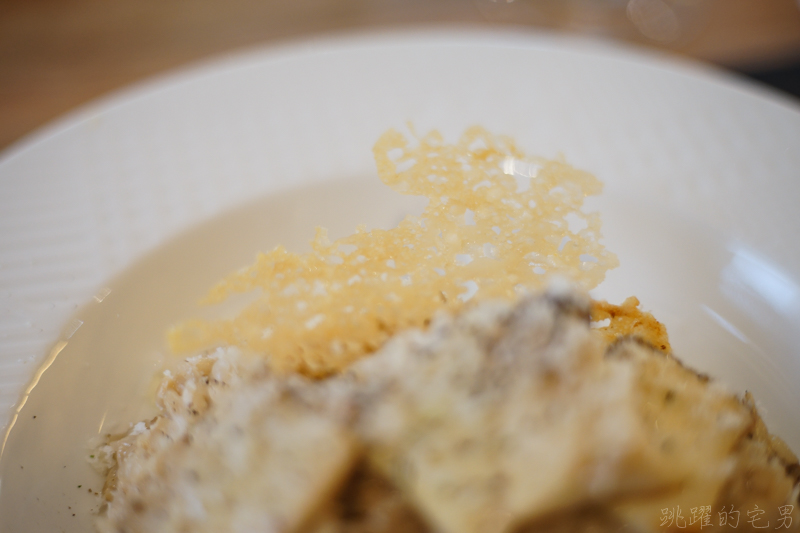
{"x":701,"y":173}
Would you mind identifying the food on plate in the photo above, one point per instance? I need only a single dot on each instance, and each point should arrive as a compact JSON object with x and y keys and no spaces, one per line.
{"x":439,"y":405}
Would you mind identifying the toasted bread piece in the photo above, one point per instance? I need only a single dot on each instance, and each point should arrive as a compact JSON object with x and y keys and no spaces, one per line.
{"x":513,"y":413}
{"x":263,"y":457}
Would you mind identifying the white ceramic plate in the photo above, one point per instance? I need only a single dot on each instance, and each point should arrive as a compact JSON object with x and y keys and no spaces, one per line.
{"x":209,"y":165}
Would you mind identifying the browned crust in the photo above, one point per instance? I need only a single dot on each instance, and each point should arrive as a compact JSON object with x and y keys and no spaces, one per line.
{"x":628,"y":320}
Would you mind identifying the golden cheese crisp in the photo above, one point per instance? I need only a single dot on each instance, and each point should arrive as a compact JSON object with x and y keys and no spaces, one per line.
{"x":497,"y":224}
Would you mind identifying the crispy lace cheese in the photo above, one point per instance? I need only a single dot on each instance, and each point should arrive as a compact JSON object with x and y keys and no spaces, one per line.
{"x":497,"y":223}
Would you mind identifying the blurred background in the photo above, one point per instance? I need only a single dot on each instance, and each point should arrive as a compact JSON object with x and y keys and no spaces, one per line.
{"x":58,"y":54}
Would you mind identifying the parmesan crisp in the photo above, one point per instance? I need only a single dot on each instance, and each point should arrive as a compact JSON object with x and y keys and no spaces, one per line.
{"x":496,"y":225}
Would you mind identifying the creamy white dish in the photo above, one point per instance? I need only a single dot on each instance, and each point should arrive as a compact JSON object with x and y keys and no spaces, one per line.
{"x":508,"y":417}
